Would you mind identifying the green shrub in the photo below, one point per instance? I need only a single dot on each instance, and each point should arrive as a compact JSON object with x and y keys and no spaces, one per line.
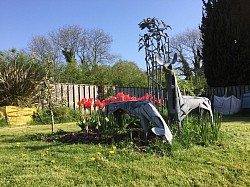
{"x":20,"y":77}
{"x":61,"y":115}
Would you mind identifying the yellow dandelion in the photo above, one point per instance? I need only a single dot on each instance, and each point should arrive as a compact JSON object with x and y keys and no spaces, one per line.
{"x":99,"y":153}
{"x":53,"y":161}
{"x":24,"y":154}
{"x":111,"y":152}
{"x":114,"y":147}
{"x":92,"y":158}
{"x":18,"y":144}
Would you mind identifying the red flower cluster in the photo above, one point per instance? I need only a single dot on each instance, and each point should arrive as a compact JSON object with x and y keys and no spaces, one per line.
{"x":100,"y":104}
{"x":87,"y":103}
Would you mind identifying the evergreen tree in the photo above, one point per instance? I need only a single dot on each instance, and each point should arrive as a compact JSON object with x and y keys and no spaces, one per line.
{"x":226,"y":42}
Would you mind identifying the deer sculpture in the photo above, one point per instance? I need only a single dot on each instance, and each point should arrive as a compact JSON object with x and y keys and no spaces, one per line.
{"x":178,"y":105}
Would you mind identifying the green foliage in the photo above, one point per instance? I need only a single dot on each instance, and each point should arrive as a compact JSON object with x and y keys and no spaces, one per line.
{"x":226,"y":42}
{"x":20,"y":77}
{"x":61,"y":115}
{"x":3,"y":122}
{"x":107,"y":127}
{"x":71,"y":73}
{"x":193,"y":83}
{"x":91,"y":122}
{"x":128,"y":74}
{"x":200,"y":131}
{"x":122,"y":73}
{"x":100,"y":75}
{"x":186,"y":86}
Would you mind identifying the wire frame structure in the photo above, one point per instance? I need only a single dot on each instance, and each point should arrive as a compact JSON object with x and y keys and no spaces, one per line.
{"x":155,"y":42}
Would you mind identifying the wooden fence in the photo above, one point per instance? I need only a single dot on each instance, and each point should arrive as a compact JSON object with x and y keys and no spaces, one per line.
{"x":237,"y":91}
{"x":70,"y":94}
{"x":132,"y":91}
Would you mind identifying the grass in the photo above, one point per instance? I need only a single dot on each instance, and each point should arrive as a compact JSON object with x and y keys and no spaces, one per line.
{"x":25,"y":161}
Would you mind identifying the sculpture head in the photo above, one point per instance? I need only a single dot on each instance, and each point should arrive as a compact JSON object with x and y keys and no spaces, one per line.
{"x":166,"y":65}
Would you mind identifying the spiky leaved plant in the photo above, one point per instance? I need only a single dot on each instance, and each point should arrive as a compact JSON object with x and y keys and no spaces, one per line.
{"x":20,"y":77}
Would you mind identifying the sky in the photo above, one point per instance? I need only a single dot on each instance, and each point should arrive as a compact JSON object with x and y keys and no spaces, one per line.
{"x":22,"y":19}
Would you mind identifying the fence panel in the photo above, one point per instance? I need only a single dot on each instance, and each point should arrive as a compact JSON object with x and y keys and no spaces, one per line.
{"x":72,"y":93}
{"x":58,"y":92}
{"x":237,"y":91}
{"x":132,"y":91}
{"x":76,"y":95}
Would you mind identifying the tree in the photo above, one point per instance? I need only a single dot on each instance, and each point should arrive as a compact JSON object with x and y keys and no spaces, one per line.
{"x":95,"y":48}
{"x":82,"y":50}
{"x":187,"y":45}
{"x":101,"y":75}
{"x":42,"y":47}
{"x":72,"y":73}
{"x":127,"y":73}
{"x":67,"y":39}
{"x":44,"y":50}
{"x":86,"y":46}
{"x":226,"y":42}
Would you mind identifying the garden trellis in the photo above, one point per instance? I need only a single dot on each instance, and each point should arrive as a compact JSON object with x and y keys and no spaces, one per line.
{"x":156,"y":44}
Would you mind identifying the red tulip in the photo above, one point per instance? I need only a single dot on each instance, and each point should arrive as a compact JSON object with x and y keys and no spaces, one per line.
{"x":88,"y":103}
{"x":102,"y":105}
{"x":134,"y":98}
{"x":113,"y":99}
{"x":126,"y":97}
{"x":120,"y":96}
{"x":79,"y":103}
{"x":97,"y":102}
{"x":84,"y":100}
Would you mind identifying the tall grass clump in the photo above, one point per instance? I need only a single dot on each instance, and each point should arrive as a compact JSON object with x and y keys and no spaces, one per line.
{"x":200,"y":131}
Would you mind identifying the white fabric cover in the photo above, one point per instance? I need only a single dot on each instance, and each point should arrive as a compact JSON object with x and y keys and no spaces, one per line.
{"x":227,"y":105}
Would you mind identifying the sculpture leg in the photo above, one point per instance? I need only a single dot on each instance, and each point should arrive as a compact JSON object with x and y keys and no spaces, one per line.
{"x":145,"y":124}
{"x":212,"y":118}
{"x":179,"y":128}
{"x":170,"y":120}
{"x":118,"y":116}
{"x":179,"y":123}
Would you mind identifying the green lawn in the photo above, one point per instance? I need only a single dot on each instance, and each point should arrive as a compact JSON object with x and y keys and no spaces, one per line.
{"x":28,"y":162}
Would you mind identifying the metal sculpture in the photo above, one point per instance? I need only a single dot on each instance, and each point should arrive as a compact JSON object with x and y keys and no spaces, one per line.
{"x":143,"y":110}
{"x":178,"y":105}
{"x":156,"y":44}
